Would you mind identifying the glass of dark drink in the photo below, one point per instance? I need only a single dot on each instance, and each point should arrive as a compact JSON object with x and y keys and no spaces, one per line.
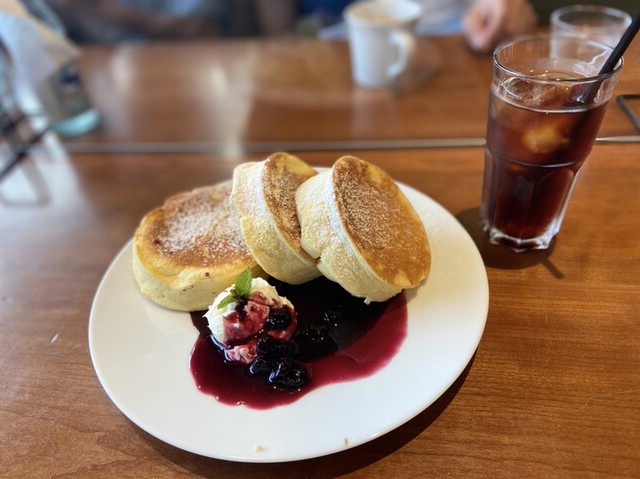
{"x":546,"y":105}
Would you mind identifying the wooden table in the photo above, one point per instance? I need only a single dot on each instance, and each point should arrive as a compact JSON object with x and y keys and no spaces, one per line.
{"x":551,"y":392}
{"x":261,"y":95}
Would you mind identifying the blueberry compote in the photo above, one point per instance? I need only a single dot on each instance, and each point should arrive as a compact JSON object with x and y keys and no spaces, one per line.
{"x":339,"y":338}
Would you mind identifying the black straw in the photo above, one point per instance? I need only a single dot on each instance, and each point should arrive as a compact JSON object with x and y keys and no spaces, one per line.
{"x":611,"y":62}
{"x":620,"y":48}
{"x":608,"y":66}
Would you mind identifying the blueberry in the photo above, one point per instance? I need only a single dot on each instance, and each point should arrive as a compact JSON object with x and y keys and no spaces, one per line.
{"x":279,"y":319}
{"x":315,"y":342}
{"x":288,"y":374}
{"x":265,"y":346}
{"x":317,"y":336}
{"x":260,"y":367}
{"x":272,"y":348}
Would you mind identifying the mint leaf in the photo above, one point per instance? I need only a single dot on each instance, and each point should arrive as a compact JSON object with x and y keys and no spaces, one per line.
{"x":226,"y":300}
{"x":240,"y":291}
{"x":243,"y":284}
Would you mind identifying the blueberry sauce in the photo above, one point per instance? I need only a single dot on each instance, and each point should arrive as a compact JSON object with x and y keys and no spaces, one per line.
{"x":339,"y":338}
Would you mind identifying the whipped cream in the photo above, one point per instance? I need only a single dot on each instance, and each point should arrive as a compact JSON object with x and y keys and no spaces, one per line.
{"x":237,"y":326}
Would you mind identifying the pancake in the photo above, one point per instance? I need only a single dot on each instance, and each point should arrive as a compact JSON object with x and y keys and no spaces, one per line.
{"x":190,"y":249}
{"x":363,"y":231}
{"x":263,"y":196}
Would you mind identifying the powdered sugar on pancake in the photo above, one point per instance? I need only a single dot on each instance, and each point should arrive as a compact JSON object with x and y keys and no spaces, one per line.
{"x":380,"y":221}
{"x":202,"y":226}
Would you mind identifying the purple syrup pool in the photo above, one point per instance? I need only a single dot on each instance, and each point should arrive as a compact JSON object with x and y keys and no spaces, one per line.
{"x":363,"y":341}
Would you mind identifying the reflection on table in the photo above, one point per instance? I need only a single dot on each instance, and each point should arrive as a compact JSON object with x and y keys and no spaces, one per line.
{"x":285,"y":91}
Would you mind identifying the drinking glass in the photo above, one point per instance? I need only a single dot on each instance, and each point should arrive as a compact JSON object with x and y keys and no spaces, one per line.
{"x":547,"y":101}
{"x":593,"y":22}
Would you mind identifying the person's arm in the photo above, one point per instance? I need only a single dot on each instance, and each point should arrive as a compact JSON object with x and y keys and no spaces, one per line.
{"x":488,"y":22}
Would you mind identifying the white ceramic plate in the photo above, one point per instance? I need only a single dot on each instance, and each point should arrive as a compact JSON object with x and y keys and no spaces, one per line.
{"x":141,"y":351}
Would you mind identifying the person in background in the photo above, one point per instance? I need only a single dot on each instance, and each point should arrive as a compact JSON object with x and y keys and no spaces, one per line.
{"x":108,"y":21}
{"x":485,"y":23}
{"x":488,"y":22}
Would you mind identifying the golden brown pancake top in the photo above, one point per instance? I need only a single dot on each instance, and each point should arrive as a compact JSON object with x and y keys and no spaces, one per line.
{"x":380,"y":221}
{"x":197,"y":228}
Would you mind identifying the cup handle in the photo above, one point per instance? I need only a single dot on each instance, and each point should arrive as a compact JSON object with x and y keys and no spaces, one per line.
{"x":405,"y":46}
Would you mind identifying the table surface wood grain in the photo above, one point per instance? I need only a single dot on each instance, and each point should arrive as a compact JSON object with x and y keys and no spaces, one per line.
{"x":552,"y":390}
{"x":229,"y":93}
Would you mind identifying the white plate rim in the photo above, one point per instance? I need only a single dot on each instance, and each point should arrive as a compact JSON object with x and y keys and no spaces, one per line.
{"x":142,"y":362}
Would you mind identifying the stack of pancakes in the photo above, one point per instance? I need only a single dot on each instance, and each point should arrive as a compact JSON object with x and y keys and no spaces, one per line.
{"x":281,"y":218}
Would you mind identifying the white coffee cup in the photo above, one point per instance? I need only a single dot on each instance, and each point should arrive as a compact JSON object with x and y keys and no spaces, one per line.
{"x":382,"y":40}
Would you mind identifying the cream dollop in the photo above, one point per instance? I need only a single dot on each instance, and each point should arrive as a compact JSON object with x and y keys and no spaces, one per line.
{"x":236,"y":327}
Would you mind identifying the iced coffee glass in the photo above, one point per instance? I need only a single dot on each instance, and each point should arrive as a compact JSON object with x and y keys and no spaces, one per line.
{"x":546,"y":104}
